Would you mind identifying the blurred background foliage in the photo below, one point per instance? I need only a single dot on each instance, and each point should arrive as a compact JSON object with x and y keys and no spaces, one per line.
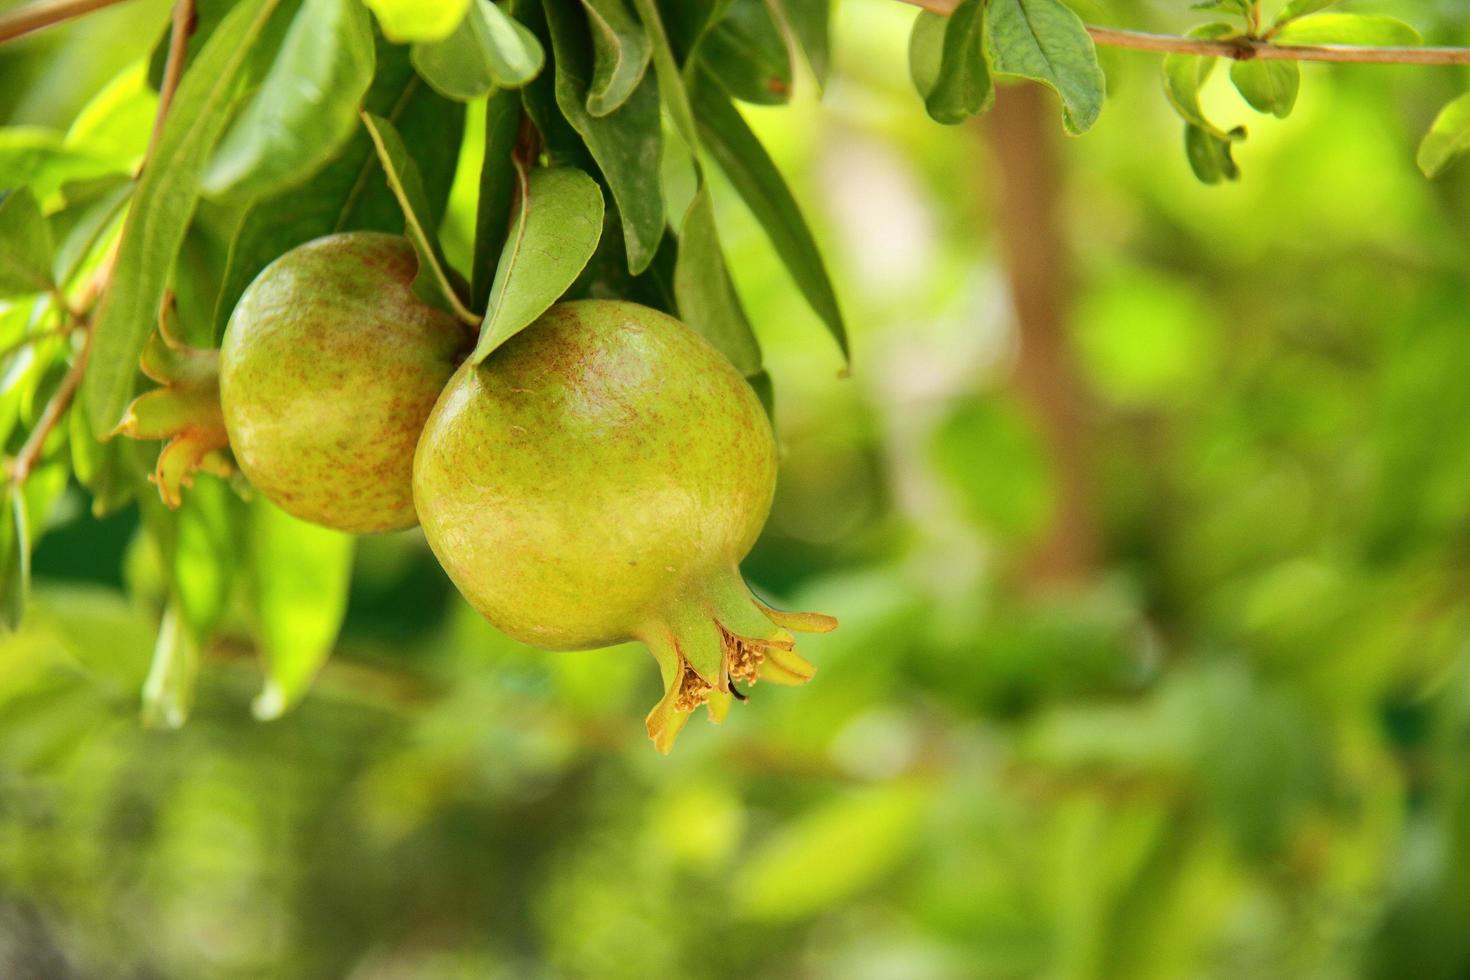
{"x":1211,"y":724}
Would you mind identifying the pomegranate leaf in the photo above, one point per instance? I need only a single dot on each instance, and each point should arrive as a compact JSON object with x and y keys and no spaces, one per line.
{"x":25,"y":245}
{"x":1447,"y":139}
{"x":497,"y":191}
{"x":345,"y":196}
{"x":301,"y":572}
{"x":1045,"y":41}
{"x":556,"y":228}
{"x":627,"y":144}
{"x":621,"y":52}
{"x":168,"y":692}
{"x":747,"y":53}
{"x":418,"y":20}
{"x":304,"y":110}
{"x":433,"y":283}
{"x":489,"y":50}
{"x":706,"y":295}
{"x":167,"y":194}
{"x":750,"y":169}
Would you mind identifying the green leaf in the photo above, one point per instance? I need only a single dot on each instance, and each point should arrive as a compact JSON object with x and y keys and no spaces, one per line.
{"x":206,"y":554}
{"x":671,"y":84}
{"x":627,"y":144}
{"x":808,"y":24}
{"x":348,"y":194}
{"x":707,"y":299}
{"x":25,"y":245}
{"x":91,"y":212}
{"x":754,"y":175}
{"x":497,"y":191}
{"x":1045,"y":41}
{"x":304,"y":110}
{"x":42,"y":160}
{"x":1368,"y":29}
{"x":1269,"y":86}
{"x":168,"y":691}
{"x":162,"y":207}
{"x":792,"y":875}
{"x":1301,"y":8}
{"x":557,"y":224}
{"x":300,"y":573}
{"x":1447,"y":138}
{"x":621,"y":52}
{"x":432,"y":284}
{"x":489,"y":49}
{"x":418,"y":20}
{"x":947,"y":63}
{"x":747,"y":53}
{"x":15,"y":558}
{"x":1210,"y":156}
{"x":1184,"y":74}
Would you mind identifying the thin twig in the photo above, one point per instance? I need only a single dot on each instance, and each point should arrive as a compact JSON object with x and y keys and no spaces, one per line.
{"x":178,"y":45}
{"x":30,"y":453}
{"x":35,"y":16}
{"x":1247,"y":49}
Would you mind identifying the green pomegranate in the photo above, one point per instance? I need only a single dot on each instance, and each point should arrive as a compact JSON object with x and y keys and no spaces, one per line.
{"x":598,"y":479}
{"x":329,"y":367}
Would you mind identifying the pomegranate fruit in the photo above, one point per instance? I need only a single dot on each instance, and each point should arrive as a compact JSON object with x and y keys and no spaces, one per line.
{"x":598,"y":479}
{"x":329,"y":367}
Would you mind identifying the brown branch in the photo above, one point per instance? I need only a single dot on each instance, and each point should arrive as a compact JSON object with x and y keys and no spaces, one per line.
{"x":1248,"y":49}
{"x":44,"y":13}
{"x":183,"y":26}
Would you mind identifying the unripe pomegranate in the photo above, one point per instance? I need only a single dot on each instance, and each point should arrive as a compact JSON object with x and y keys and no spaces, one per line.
{"x":598,"y":479}
{"x":328,"y":369}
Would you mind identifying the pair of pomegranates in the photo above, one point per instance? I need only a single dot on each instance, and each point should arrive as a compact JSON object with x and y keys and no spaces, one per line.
{"x":596,"y":479}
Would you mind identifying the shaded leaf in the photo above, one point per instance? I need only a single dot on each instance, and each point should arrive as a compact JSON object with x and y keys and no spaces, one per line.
{"x":432,"y":284}
{"x":754,"y":175}
{"x":162,"y":207}
{"x":808,"y":23}
{"x":947,"y":62}
{"x":747,"y":53}
{"x":1209,"y":156}
{"x":1268,"y":86}
{"x":300,"y":573}
{"x":555,"y":231}
{"x":707,"y":299}
{"x":206,"y":554}
{"x":304,"y":110}
{"x":1045,"y":41}
{"x":497,"y":191}
{"x":620,"y":54}
{"x":25,"y":245}
{"x":627,"y":144}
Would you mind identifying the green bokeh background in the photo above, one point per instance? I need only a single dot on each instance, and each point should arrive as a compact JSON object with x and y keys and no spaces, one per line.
{"x":1237,"y":749}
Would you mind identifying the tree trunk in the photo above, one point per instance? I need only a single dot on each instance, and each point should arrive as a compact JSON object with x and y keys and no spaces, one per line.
{"x":1021,"y":131}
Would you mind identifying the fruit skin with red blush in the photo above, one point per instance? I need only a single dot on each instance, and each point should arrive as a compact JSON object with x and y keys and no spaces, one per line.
{"x":329,"y":366}
{"x":598,"y":479}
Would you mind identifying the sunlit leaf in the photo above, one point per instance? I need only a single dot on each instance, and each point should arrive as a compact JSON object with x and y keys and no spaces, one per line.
{"x":168,"y":691}
{"x":304,"y":110}
{"x":418,"y":20}
{"x":1447,"y":138}
{"x":489,"y":49}
{"x":557,"y":223}
{"x":300,"y":574}
{"x":161,"y":210}
{"x":1367,"y":29}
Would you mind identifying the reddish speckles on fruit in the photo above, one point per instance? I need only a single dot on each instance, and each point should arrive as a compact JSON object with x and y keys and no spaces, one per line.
{"x":329,"y":367}
{"x":598,"y":479}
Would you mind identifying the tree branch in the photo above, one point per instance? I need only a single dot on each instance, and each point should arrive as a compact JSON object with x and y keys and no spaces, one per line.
{"x":44,"y":13}
{"x":1247,"y":49}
